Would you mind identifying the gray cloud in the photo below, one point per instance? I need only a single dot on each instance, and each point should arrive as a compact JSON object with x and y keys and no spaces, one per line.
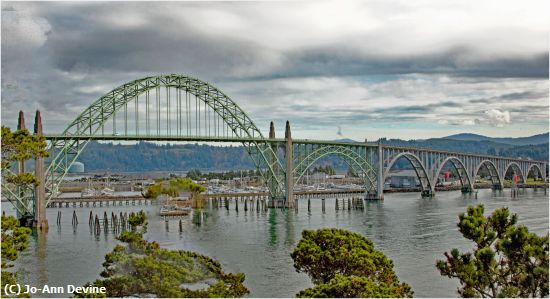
{"x":278,"y":61}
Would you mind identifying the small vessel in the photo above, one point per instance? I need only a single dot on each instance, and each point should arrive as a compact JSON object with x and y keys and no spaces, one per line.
{"x":174,"y":210}
{"x":89,"y":191}
{"x":107,"y":192}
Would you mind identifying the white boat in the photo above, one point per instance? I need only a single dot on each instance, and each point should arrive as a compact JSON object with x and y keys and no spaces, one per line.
{"x":88,"y":192}
{"x":107,"y":192}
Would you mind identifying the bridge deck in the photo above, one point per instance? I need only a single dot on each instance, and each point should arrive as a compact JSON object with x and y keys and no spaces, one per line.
{"x":273,"y":140}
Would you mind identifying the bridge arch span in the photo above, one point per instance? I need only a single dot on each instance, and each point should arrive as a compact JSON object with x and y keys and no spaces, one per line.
{"x":419,"y":168}
{"x":533,"y":166}
{"x":493,"y":171}
{"x":465,"y":178}
{"x":516,"y":168}
{"x":230,"y":117}
{"x":358,"y":163}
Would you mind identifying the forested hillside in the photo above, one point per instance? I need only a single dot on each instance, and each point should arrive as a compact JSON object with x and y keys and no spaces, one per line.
{"x":145,"y":156}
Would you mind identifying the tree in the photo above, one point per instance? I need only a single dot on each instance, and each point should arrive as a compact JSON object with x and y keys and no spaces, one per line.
{"x":14,"y":240}
{"x":143,"y":269}
{"x":507,"y":260}
{"x":173,"y":187}
{"x":20,"y":146}
{"x":342,"y":286}
{"x":337,"y":260}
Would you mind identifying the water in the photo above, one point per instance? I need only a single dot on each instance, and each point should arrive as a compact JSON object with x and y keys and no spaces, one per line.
{"x":412,"y":231}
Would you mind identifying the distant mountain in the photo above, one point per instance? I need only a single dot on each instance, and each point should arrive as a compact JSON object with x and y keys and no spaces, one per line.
{"x":346,"y":140}
{"x":145,"y":156}
{"x":534,"y":140}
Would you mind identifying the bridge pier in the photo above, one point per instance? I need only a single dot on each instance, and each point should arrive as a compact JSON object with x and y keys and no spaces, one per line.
{"x":428,"y":193}
{"x":380,"y":176}
{"x":40,"y":220}
{"x":289,"y":167}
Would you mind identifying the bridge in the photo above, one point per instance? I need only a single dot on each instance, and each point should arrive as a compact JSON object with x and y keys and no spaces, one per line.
{"x":181,"y":108}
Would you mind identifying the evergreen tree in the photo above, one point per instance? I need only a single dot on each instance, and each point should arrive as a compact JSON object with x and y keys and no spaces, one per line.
{"x":345,"y":264}
{"x":507,"y":260}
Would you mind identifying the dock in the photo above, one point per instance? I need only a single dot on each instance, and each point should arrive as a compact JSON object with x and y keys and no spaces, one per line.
{"x":60,"y":202}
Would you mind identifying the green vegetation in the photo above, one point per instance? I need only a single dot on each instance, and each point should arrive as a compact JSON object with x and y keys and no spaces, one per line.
{"x":143,"y":269}
{"x":14,"y":240}
{"x":173,"y":188}
{"x":507,"y":260}
{"x":20,"y":146}
{"x":137,"y":219}
{"x":345,"y":264}
{"x":329,"y":170}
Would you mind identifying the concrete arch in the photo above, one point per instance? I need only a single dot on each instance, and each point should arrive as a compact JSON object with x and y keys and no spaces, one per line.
{"x":454,"y":161}
{"x":515,"y":166}
{"x":358,"y":163}
{"x":529,"y":170}
{"x":419,"y":169}
{"x":493,"y":171}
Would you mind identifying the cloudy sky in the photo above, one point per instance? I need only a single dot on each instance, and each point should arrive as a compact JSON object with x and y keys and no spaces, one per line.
{"x":396,"y":69}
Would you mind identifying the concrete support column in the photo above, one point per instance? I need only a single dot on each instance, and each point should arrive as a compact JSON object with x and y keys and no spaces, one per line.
{"x":20,"y":164}
{"x":380,"y":179}
{"x":289,"y":167}
{"x":272,"y":183}
{"x":40,"y":220}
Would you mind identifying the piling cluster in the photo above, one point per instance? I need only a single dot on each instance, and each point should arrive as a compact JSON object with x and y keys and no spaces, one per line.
{"x":116,"y":224}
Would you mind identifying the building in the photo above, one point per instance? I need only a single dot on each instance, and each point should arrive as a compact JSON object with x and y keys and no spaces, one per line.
{"x":403,"y":178}
{"x":76,"y":167}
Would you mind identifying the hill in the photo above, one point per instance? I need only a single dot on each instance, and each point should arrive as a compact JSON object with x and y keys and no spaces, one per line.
{"x":144,"y":156}
{"x":535,"y":139}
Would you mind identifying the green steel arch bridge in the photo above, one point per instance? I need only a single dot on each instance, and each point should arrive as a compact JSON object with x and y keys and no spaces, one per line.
{"x":181,"y":108}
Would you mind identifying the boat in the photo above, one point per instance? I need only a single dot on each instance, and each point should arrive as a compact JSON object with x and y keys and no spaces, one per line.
{"x":174,"y":210}
{"x":88,"y":192}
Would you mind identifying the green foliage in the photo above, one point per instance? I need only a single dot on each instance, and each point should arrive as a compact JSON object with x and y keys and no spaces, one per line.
{"x":327,"y":169}
{"x":137,"y":219}
{"x":173,"y":188}
{"x":328,"y":254}
{"x":143,"y":269}
{"x":342,"y":286}
{"x":20,"y":146}
{"x":507,"y":260}
{"x":14,"y":240}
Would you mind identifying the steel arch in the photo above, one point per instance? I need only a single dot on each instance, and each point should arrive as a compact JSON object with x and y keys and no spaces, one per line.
{"x":418,"y":168}
{"x":353,"y":159}
{"x":91,"y":121}
{"x":493,"y":171}
{"x":454,"y":160}
{"x":515,"y":166}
